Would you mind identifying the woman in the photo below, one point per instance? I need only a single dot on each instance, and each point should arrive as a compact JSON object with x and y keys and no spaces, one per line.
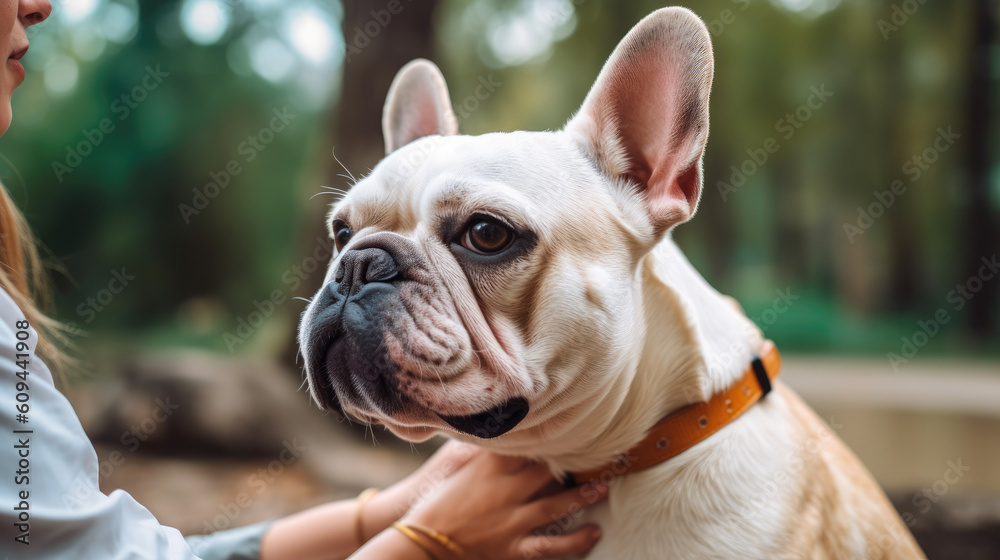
{"x":462,"y":503}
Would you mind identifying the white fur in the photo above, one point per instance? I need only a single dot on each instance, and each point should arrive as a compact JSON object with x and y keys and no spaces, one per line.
{"x":605,"y":327}
{"x":671,"y":340}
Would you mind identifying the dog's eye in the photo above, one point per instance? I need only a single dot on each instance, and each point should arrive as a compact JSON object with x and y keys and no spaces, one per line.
{"x":341,"y":234}
{"x":487,"y":236}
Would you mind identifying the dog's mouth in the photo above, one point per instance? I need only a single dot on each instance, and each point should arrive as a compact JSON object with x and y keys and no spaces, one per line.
{"x":491,"y":423}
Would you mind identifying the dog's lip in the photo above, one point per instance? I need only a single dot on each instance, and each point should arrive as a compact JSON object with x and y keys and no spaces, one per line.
{"x":316,"y":371}
{"x":493,"y":422}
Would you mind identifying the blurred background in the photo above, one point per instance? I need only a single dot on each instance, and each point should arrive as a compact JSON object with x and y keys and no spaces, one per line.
{"x":173,"y":158}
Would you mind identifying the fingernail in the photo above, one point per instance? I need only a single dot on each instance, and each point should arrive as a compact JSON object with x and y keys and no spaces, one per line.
{"x":594,"y":533}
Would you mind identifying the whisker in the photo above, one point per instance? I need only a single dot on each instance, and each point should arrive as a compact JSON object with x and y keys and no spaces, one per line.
{"x":333,"y":152}
{"x":334,"y":189}
{"x":341,"y":195}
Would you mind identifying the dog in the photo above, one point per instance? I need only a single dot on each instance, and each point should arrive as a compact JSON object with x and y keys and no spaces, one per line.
{"x":521,"y":291}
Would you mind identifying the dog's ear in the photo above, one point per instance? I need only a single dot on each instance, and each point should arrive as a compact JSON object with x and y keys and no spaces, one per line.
{"x":417,"y":105}
{"x":645,"y":119}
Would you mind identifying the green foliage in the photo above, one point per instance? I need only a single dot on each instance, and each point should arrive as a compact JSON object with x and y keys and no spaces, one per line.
{"x":783,"y":228}
{"x":101,"y":201}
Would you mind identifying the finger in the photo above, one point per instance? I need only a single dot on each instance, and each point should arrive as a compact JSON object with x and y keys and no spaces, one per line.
{"x":556,"y":546}
{"x":528,"y":481}
{"x":507,"y":464}
{"x":452,"y":456}
{"x":546,"y":510}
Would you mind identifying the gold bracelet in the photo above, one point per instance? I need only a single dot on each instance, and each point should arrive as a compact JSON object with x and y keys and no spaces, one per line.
{"x":443,"y":540}
{"x":359,"y":504}
{"x":413,"y":536}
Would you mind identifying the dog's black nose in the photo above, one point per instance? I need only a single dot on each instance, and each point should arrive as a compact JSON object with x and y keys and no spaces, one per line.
{"x":364,"y":266}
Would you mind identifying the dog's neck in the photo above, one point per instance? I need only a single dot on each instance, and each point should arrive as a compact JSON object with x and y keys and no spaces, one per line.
{"x":697,"y":340}
{"x":695,"y":343}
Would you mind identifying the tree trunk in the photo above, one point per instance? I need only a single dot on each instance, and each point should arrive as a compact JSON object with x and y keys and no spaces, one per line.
{"x":904,"y":266}
{"x":981,"y":228}
{"x":373,"y":58}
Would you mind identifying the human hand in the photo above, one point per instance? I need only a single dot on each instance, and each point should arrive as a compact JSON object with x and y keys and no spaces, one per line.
{"x":489,"y":507}
{"x":329,"y":531}
{"x":389,"y":505}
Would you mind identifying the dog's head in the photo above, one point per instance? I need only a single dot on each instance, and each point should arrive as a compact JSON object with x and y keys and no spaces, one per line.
{"x":490,"y":285}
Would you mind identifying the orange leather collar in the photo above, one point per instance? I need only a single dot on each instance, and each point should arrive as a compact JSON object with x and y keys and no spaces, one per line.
{"x":683,"y":429}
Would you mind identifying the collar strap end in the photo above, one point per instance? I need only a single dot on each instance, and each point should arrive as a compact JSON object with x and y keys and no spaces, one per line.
{"x":760,"y":372}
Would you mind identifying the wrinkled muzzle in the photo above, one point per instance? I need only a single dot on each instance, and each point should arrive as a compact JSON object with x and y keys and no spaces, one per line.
{"x":385,"y":317}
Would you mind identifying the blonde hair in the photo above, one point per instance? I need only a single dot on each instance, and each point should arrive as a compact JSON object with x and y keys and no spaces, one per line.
{"x":23,"y":277}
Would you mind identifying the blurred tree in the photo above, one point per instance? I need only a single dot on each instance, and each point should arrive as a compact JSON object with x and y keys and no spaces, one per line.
{"x":373,"y":58}
{"x":903,"y":241}
{"x":894,"y":84}
{"x":981,"y":230}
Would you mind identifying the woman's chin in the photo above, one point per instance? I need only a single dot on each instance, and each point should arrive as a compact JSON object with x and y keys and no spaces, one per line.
{"x":5,"y":114}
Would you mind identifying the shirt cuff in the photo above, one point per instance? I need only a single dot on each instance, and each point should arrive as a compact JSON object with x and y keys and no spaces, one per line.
{"x":242,"y":543}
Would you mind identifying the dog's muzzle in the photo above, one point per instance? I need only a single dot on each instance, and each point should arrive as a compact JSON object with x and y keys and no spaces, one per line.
{"x":347,"y":352}
{"x":348,"y":358}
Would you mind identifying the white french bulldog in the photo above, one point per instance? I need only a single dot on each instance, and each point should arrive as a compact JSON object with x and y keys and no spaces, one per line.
{"x":521,"y":291}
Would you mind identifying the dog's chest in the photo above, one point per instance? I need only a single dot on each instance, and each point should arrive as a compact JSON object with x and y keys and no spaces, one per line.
{"x":639,"y":525}
{"x":717,"y":500}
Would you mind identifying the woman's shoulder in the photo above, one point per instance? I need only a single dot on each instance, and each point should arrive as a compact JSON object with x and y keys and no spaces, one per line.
{"x":18,"y":339}
{"x":12,"y":320}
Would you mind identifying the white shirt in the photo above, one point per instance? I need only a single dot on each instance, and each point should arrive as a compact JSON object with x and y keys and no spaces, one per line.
{"x":51,"y":505}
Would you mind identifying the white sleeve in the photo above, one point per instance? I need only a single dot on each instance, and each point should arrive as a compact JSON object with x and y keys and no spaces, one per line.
{"x":51,"y":506}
